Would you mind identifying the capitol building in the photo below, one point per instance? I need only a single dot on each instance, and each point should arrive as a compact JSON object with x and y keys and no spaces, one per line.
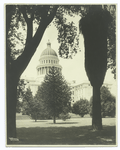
{"x":48,"y":59}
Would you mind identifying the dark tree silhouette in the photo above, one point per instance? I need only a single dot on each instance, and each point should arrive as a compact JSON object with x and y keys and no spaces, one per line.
{"x":16,"y":66}
{"x":55,"y":93}
{"x":94,"y":27}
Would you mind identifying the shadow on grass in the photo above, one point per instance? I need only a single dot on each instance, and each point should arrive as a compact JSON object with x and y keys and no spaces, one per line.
{"x":83,"y":135}
{"x":64,"y":123}
{"x":38,"y":121}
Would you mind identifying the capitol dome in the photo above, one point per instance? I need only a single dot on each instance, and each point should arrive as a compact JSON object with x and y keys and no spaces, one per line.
{"x":48,"y":59}
{"x":49,"y":50}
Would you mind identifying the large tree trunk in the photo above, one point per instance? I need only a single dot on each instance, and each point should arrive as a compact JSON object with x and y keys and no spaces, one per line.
{"x":96,"y":120}
{"x":94,"y":28}
{"x":11,"y":84}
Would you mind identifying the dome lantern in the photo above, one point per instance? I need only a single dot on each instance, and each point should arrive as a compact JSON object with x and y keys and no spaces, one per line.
{"x":48,"y":44}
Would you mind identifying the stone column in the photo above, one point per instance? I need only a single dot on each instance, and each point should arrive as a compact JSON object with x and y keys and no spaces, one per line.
{"x":37,"y":71}
{"x":45,"y":70}
{"x":40,"y":71}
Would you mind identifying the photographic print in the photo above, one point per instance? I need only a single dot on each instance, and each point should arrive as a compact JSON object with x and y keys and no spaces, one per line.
{"x":61,"y":80}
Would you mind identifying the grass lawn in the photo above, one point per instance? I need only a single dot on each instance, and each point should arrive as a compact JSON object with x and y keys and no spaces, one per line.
{"x":66,"y":136}
{"x":71,"y":132}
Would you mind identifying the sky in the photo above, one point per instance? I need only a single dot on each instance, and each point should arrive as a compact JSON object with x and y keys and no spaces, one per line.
{"x":72,"y":69}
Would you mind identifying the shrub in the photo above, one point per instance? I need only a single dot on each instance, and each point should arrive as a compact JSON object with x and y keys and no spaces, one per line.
{"x":81,"y":107}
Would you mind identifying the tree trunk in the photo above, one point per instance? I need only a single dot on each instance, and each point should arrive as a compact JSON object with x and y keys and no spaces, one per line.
{"x":35,"y":118}
{"x":54,"y":119}
{"x":11,"y":84}
{"x":96,"y":119}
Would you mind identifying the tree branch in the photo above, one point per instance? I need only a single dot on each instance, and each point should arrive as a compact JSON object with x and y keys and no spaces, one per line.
{"x":45,"y":22}
{"x":23,"y":11}
{"x":29,"y":22}
{"x":29,"y":31}
{"x":23,"y":60}
{"x":52,"y":14}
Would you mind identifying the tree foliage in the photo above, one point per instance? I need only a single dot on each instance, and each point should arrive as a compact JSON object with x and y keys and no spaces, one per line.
{"x":41,"y":110}
{"x":20,"y":94}
{"x":108,"y":103}
{"x":27,"y":102}
{"x":111,"y":42}
{"x":55,"y":93}
{"x":81,"y":107}
{"x":34,"y":106}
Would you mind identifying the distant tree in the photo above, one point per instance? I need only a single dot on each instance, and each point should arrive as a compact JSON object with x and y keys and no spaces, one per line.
{"x":81,"y":107}
{"x":34,"y":106}
{"x":108,"y":103}
{"x":20,"y":94}
{"x":55,"y":93}
{"x":27,"y":102}
{"x":19,"y":106}
{"x":39,"y":107}
{"x":65,"y":114}
{"x":36,"y":109}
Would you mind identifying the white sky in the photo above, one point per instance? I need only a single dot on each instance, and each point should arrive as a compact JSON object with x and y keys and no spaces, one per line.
{"x":72,"y":69}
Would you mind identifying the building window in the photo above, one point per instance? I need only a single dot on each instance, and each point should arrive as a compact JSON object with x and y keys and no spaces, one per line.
{"x":49,"y":61}
{"x":46,"y":61}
